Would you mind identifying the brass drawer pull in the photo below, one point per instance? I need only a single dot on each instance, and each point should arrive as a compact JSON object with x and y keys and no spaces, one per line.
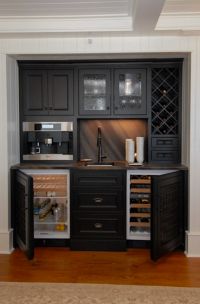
{"x":98,"y":199}
{"x":98,"y":225}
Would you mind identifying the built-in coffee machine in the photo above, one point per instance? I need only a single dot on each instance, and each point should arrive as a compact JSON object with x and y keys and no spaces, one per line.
{"x":47,"y":141}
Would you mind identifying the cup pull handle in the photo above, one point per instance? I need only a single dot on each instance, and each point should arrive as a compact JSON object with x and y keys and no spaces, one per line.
{"x":98,"y":199}
{"x":98,"y":225}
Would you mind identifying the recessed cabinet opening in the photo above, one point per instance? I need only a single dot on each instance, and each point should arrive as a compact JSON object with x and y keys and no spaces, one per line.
{"x":113,"y":135}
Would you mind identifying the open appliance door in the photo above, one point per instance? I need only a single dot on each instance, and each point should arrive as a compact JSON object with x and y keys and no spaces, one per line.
{"x":167,"y":220}
{"x":24,"y":223}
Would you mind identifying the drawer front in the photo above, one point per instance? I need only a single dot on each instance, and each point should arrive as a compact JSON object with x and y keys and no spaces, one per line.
{"x":163,"y":142}
{"x":97,"y":178}
{"x":96,"y":200}
{"x":165,"y":156}
{"x":97,"y":226}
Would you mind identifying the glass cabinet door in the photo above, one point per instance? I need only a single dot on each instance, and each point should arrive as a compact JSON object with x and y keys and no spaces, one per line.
{"x":94,"y":92}
{"x":130,"y":91}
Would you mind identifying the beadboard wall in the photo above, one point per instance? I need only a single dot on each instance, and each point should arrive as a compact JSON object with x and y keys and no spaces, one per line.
{"x":100,"y":47}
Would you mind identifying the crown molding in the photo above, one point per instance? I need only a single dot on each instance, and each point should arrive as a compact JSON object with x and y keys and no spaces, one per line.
{"x":185,"y":22}
{"x":64,"y":24}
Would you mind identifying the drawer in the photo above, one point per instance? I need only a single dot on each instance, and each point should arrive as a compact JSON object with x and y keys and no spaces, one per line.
{"x":95,"y":226}
{"x":165,"y":156}
{"x":165,"y":142}
{"x":97,"y":200}
{"x":97,"y":178}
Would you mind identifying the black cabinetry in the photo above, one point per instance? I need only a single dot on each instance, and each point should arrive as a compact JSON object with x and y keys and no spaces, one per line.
{"x":149,"y":90}
{"x":46,"y":91}
{"x":98,"y":208}
{"x":165,"y":127}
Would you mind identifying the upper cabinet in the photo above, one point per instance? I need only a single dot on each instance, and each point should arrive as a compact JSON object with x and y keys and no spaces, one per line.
{"x":112,"y":92}
{"x":46,"y":92}
{"x":94,"y":92}
{"x":130,"y":92}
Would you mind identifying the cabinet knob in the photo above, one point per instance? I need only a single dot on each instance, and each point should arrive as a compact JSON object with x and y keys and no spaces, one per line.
{"x":98,"y":225}
{"x":108,"y":108}
{"x":116,"y":108}
{"x":98,"y":199}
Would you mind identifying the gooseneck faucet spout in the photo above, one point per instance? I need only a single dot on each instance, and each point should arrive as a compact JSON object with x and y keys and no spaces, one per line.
{"x":99,"y":145}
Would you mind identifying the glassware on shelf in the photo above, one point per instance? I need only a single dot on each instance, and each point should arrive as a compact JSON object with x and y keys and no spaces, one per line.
{"x":94,"y":85}
{"x":98,"y":103}
{"x":129,"y":84}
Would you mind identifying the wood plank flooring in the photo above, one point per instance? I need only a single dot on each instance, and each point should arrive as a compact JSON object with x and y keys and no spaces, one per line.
{"x":131,"y":267}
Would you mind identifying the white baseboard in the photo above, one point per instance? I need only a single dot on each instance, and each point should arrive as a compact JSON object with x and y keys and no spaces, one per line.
{"x":192,"y":244}
{"x":6,"y":242}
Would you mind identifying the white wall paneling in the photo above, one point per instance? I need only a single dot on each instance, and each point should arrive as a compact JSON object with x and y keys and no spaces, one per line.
{"x":101,"y":47}
{"x":5,"y":231}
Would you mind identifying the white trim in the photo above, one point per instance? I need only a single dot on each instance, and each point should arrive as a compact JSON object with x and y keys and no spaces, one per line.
{"x":63,"y":24}
{"x":192,"y":244}
{"x":6,"y":241}
{"x":179,"y":22}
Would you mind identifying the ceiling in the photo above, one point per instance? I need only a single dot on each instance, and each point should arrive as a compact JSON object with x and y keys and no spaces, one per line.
{"x":130,"y":17}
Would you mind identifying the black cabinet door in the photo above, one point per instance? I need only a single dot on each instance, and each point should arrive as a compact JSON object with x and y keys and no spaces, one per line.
{"x":97,"y":200}
{"x":98,"y":225}
{"x":24,"y":213}
{"x":94,"y":92}
{"x":34,"y":92}
{"x":167,"y":214}
{"x":130,"y":92}
{"x":60,"y":92}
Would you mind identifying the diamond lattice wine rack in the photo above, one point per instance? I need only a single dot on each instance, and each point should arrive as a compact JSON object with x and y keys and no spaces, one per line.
{"x":165,"y":101}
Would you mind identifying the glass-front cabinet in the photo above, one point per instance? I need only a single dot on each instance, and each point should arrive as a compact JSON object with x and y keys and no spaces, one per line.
{"x":130,"y":91}
{"x":94,"y":92}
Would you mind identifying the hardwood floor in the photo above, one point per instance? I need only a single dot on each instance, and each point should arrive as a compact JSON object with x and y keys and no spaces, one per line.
{"x":131,"y":267}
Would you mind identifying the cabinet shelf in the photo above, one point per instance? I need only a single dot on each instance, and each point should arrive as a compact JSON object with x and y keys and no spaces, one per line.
{"x":48,"y":220}
{"x":139,"y":224}
{"x":138,"y":205}
{"x":51,"y":197}
{"x":49,"y":234}
{"x":140,"y":190}
{"x":140,"y":181}
{"x":140,"y":215}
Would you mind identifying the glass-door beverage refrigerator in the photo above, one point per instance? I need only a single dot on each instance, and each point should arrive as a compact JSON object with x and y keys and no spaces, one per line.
{"x":41,"y":205}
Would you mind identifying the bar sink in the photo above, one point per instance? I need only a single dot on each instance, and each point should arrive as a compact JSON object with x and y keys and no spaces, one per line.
{"x":106,"y":164}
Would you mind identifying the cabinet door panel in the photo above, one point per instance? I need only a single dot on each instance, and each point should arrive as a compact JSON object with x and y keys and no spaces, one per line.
{"x":24,"y":213}
{"x":94,"y":92}
{"x":97,"y":200}
{"x":171,"y":156}
{"x":130,"y":92}
{"x":97,"y":178}
{"x":34,"y":92}
{"x":97,"y":226}
{"x":60,"y":89}
{"x":165,"y":142}
{"x":167,"y":214}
